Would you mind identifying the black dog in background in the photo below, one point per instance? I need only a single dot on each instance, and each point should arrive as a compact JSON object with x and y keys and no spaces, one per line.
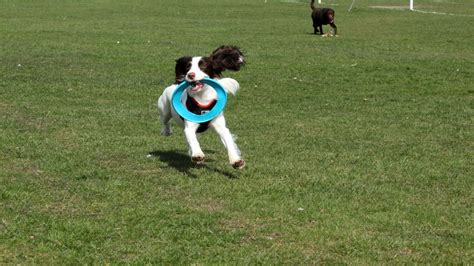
{"x":322,"y":16}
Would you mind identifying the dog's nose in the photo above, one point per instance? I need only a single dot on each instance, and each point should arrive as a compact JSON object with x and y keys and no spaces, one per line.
{"x":191,"y":75}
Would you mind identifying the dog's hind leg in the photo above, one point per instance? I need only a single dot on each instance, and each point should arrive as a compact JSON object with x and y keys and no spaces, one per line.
{"x":219,"y":126}
{"x":164,"y":108}
{"x":315,"y":26}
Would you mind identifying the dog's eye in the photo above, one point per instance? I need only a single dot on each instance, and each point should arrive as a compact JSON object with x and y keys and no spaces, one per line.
{"x":202,"y":64}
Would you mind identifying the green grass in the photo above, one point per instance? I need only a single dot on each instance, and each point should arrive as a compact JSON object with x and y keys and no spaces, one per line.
{"x":359,"y":149}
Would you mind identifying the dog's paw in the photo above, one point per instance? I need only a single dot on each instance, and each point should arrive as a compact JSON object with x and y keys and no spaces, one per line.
{"x":199,"y":160}
{"x":238,"y":164}
{"x":166,"y":131}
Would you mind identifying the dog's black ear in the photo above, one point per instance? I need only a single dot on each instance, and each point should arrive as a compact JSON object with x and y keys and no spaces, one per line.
{"x":182,"y":67}
{"x":227,"y":57}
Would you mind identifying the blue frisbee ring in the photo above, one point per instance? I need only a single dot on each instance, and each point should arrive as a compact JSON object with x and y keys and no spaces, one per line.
{"x":215,"y":111}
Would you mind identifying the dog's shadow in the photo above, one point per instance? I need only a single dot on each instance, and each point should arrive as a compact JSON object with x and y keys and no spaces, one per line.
{"x":182,"y":163}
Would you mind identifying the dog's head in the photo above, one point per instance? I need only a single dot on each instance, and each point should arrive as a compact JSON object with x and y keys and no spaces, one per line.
{"x":330,"y":15}
{"x":195,"y":69}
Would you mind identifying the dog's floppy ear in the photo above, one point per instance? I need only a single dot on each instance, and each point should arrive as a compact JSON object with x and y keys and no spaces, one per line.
{"x":183,"y":64}
{"x":227,"y":57}
{"x":330,"y":15}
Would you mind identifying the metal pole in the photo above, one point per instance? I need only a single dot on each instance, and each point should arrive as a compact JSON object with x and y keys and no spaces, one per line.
{"x":353,"y":1}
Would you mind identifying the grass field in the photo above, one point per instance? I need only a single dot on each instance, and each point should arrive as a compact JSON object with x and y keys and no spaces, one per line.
{"x":359,"y":149}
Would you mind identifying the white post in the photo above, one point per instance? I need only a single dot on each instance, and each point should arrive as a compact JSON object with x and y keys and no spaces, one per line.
{"x":352,"y":4}
{"x":411,"y":4}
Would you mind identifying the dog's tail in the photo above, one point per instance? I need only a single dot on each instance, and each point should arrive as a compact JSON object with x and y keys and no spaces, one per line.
{"x":312,"y":5}
{"x":230,"y":85}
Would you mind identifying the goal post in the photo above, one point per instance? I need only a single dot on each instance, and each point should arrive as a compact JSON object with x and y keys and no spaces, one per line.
{"x":441,"y":7}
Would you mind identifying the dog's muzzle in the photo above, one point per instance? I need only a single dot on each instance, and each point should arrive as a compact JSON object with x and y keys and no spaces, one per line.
{"x":196,"y":86}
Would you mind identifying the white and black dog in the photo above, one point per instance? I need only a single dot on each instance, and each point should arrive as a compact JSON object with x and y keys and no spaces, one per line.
{"x":199,"y":98}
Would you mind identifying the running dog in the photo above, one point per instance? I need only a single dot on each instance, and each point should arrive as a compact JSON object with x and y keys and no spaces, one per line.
{"x":200,"y":98}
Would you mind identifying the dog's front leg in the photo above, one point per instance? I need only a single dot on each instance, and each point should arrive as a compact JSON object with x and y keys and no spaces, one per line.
{"x":219,"y":126}
{"x":334,"y":28}
{"x":190,"y":129}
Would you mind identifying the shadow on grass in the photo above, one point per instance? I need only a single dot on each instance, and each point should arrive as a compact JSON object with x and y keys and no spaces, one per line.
{"x":181,"y":162}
